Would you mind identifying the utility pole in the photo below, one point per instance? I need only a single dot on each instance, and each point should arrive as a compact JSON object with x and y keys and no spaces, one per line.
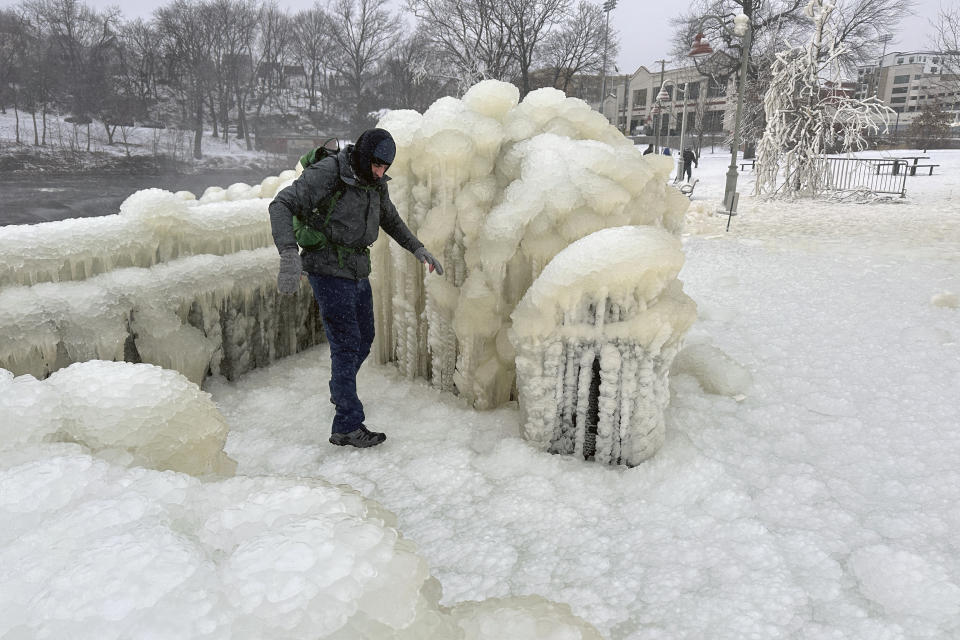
{"x":658,"y":120}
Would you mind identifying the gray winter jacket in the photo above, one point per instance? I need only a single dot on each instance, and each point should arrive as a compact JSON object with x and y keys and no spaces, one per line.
{"x":355,"y":221}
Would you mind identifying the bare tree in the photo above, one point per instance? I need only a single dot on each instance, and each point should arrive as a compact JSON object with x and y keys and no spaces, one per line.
{"x":187,"y":48}
{"x":412,"y":76}
{"x":529,"y":23}
{"x":314,"y":48}
{"x":85,"y":40}
{"x":272,"y":51}
{"x":947,"y":41}
{"x":233,"y":25}
{"x":777,"y":25}
{"x":14,"y":57}
{"x":577,"y":47}
{"x":143,"y":59}
{"x":471,"y":37}
{"x":364,"y":31}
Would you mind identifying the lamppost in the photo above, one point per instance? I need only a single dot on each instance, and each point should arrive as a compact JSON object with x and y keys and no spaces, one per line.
{"x":656,"y":110}
{"x":608,"y":6}
{"x":701,"y":48}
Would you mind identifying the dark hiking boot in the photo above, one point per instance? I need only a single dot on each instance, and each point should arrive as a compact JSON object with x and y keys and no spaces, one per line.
{"x":361,"y":437}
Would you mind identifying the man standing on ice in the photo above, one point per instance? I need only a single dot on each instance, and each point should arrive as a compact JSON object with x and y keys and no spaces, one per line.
{"x":349,"y":193}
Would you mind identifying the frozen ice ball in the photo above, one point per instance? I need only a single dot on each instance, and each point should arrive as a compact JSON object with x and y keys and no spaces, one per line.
{"x":157,"y":415}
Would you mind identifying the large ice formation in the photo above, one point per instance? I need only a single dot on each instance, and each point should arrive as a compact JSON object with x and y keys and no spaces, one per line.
{"x":200,"y":314}
{"x":90,"y":548}
{"x":595,"y":335}
{"x":135,"y":413}
{"x":184,"y":283}
{"x":496,"y":188}
{"x":153,"y":226}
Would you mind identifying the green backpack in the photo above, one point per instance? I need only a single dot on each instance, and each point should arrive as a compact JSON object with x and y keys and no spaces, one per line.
{"x":308,"y":227}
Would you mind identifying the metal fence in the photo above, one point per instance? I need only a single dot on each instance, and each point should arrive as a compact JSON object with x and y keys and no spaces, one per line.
{"x":876,"y":175}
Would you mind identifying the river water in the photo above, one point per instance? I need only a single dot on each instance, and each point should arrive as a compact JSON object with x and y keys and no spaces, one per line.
{"x":39,"y":198}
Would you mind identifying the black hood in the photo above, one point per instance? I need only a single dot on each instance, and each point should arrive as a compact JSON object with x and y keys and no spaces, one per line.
{"x":372,"y":145}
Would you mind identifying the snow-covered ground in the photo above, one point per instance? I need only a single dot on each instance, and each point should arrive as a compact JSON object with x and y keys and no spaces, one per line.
{"x":143,"y":141}
{"x":819,"y":501}
{"x":823,"y":504}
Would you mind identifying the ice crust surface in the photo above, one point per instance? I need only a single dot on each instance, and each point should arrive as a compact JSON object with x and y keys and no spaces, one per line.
{"x":116,"y":547}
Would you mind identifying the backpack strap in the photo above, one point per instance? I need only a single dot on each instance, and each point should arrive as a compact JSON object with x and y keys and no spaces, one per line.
{"x":318,"y":220}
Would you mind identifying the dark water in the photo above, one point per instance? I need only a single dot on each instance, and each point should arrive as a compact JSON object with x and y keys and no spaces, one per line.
{"x":38,"y":198}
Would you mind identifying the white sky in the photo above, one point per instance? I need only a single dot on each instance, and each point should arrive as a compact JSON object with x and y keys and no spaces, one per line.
{"x":644,"y":26}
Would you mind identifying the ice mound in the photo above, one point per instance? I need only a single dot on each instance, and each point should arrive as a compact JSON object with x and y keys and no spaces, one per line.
{"x":522,"y":617}
{"x":199,"y":314}
{"x":495,"y":188}
{"x":29,"y":411}
{"x":946,"y":299}
{"x":91,"y":549}
{"x":715,"y":371}
{"x":134,"y":413}
{"x":595,"y":335}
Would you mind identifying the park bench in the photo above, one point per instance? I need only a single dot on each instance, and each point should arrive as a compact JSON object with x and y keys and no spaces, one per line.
{"x":892,"y":163}
{"x":744,"y":165}
{"x":914,"y":167}
{"x":687,"y":187}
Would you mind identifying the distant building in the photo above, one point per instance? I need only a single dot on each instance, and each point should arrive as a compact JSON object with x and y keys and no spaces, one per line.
{"x":910,"y":82}
{"x":691,"y":95}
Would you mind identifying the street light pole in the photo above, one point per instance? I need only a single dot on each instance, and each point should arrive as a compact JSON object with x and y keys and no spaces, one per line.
{"x":742,"y":29}
{"x":658,"y":111}
{"x":608,"y":6}
{"x":731,"y":189}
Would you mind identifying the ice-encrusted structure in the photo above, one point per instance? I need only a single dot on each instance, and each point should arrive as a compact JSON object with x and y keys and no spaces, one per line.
{"x":204,"y":313}
{"x":135,"y":413}
{"x":496,"y":188}
{"x":595,"y":336}
{"x":184,"y":283}
{"x":153,"y":226}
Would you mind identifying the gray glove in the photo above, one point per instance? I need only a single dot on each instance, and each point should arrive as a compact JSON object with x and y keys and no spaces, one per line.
{"x":288,"y":281}
{"x":426,"y":257}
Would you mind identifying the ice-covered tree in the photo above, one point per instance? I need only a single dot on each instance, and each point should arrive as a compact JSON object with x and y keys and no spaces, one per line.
{"x":809,"y":114}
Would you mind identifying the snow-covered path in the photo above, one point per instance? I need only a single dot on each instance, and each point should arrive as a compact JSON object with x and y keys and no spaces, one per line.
{"x":820,"y":505}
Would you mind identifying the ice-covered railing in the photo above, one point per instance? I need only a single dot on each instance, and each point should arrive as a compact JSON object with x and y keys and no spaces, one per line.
{"x":496,"y":188}
{"x":205,"y":313}
{"x":152,"y":226}
{"x":595,"y":336}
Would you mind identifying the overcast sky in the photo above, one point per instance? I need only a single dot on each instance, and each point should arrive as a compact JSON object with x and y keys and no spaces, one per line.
{"x":644,"y":27}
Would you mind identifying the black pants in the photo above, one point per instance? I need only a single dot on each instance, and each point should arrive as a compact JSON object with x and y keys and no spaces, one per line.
{"x":687,"y":171}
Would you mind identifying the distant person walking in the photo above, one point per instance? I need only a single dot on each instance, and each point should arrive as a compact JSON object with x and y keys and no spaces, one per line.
{"x":689,"y":157}
{"x":666,"y":151}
